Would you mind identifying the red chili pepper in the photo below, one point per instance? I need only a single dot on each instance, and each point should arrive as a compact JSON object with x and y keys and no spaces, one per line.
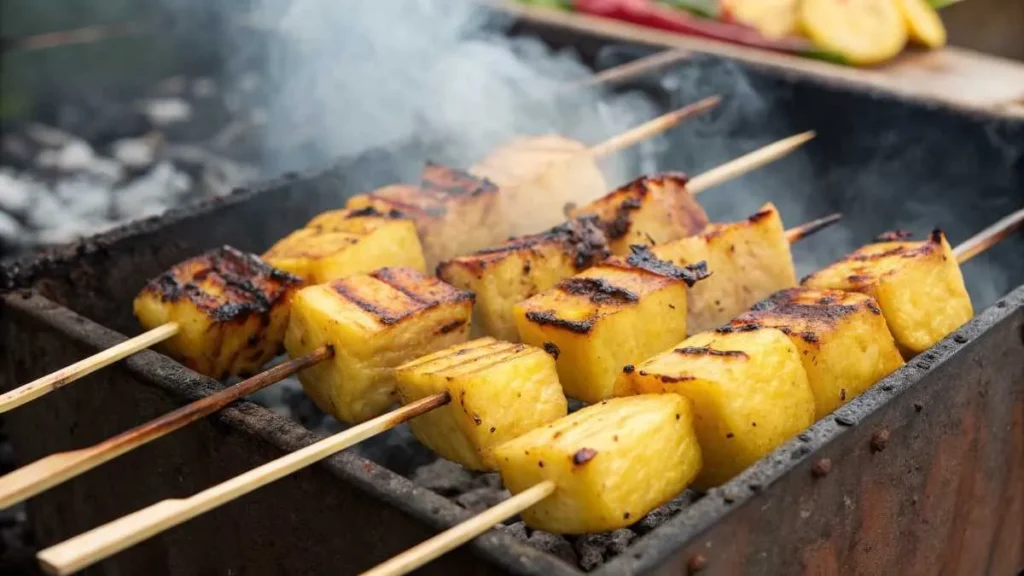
{"x":655,"y":15}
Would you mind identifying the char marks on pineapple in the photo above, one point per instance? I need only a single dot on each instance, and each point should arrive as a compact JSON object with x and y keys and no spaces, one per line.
{"x":708,"y":351}
{"x":641,"y":257}
{"x":597,"y":290}
{"x":550,"y":318}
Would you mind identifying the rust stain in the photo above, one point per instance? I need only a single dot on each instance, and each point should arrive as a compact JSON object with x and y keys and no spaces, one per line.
{"x":876,"y":545}
{"x":819,"y":559}
{"x":1009,"y":554}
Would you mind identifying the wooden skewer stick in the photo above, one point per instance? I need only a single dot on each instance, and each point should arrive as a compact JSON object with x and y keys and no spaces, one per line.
{"x":632,"y":69}
{"x":652,"y":127}
{"x":42,"y":386}
{"x":90,"y":547}
{"x":802,"y":231}
{"x":52,"y":470}
{"x":989,"y":237}
{"x":747,"y":162}
{"x":458,"y":535}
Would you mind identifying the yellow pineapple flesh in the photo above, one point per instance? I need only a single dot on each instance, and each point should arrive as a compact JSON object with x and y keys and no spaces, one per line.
{"x":611,"y":463}
{"x":498,"y":390}
{"x":340,"y":243}
{"x":749,"y":391}
{"x":232,"y":309}
{"x":648,"y":211}
{"x":749,"y":260}
{"x":844,"y":342}
{"x":515,"y":270}
{"x":918,"y":286}
{"x":616,"y":313}
{"x":374,"y":323}
{"x":455,"y":212}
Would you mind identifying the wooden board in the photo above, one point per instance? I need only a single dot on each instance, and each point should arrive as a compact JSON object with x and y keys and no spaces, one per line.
{"x":954,"y":76}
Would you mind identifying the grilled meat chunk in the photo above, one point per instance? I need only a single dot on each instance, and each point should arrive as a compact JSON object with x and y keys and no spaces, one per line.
{"x":340,"y":243}
{"x":374,"y":322}
{"x":918,"y":286}
{"x":498,"y":391}
{"x":612,"y":463}
{"x":843,"y":340}
{"x":455,"y":212}
{"x":749,"y":260}
{"x":539,"y":176}
{"x":648,"y":211}
{"x":520,"y":268}
{"x":616,"y":313}
{"x":749,"y":390}
{"x":231,"y":306}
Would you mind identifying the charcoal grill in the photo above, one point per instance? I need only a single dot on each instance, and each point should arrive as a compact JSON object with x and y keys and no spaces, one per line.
{"x":923,"y":473}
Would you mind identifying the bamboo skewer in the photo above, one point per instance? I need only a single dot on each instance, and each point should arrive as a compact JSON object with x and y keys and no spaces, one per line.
{"x":632,"y":69}
{"x":42,"y":386}
{"x":47,"y":472}
{"x":94,"y":545}
{"x":429,"y":550}
{"x":652,"y":127}
{"x":802,"y":231}
{"x":747,"y":163}
{"x":989,"y":237}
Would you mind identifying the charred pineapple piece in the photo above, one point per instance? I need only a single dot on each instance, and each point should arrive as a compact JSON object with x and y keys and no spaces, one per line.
{"x":918,"y":286}
{"x":231,"y":306}
{"x":647,"y":211}
{"x":520,"y":268}
{"x":340,"y":243}
{"x":539,"y":176}
{"x":616,"y":313}
{"x":455,"y":212}
{"x":611,"y":462}
{"x":749,"y":260}
{"x":749,"y":390}
{"x":498,"y":390}
{"x":374,"y":322}
{"x":844,"y":342}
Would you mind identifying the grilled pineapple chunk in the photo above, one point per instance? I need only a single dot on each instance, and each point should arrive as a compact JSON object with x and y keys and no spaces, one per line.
{"x":539,"y":176}
{"x":498,"y":391}
{"x":749,"y":391}
{"x":612,"y":463}
{"x":374,"y":322}
{"x":843,"y":340}
{"x":647,"y":211}
{"x":520,"y":268}
{"x":749,"y":260}
{"x":918,"y":286}
{"x":616,"y":313}
{"x":231,"y":306}
{"x":455,"y":212}
{"x":340,"y":243}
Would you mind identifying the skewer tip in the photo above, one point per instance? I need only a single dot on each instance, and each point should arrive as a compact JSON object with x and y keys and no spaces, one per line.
{"x":810,"y":228}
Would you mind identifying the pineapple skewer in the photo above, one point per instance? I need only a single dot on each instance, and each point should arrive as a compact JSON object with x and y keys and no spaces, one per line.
{"x":101,"y":542}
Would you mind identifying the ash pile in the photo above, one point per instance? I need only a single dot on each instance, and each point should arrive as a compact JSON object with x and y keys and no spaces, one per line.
{"x":84,"y":167}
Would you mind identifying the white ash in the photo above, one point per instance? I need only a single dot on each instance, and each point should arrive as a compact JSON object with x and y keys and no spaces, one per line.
{"x":134,"y":153}
{"x":166,"y":111}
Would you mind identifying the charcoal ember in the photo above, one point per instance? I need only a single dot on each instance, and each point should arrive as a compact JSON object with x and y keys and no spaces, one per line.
{"x":74,"y":156}
{"x":596,"y":549}
{"x":204,"y":87}
{"x":135,"y":153}
{"x":10,"y":229}
{"x":167,"y":111}
{"x":17,"y":151}
{"x":301,"y":408}
{"x":480,"y":499}
{"x":660,"y":515}
{"x":48,"y":136}
{"x":517,"y":530}
{"x":443,"y":477}
{"x":489,"y":480}
{"x":554,"y":544}
{"x":15,"y":193}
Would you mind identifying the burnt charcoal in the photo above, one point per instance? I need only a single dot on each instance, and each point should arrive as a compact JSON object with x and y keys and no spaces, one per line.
{"x":492,"y":480}
{"x":517,"y":530}
{"x":444,"y":477}
{"x":554,"y":544}
{"x":660,"y":515}
{"x":595,"y":549}
{"x":480,"y":499}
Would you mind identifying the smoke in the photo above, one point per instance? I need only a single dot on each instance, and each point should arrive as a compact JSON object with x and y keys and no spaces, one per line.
{"x":344,"y":77}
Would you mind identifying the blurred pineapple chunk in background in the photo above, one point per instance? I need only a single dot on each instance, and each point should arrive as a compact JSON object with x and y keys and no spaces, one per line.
{"x":844,"y":342}
{"x":749,"y":260}
{"x":510,"y":272}
{"x":231,"y":306}
{"x":340,"y":243}
{"x":374,"y":322}
{"x":918,"y":286}
{"x":649,"y":210}
{"x":539,"y":176}
{"x":455,"y":212}
{"x":612,"y":463}
{"x":616,"y":313}
{"x":749,"y":390}
{"x":498,"y":391}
